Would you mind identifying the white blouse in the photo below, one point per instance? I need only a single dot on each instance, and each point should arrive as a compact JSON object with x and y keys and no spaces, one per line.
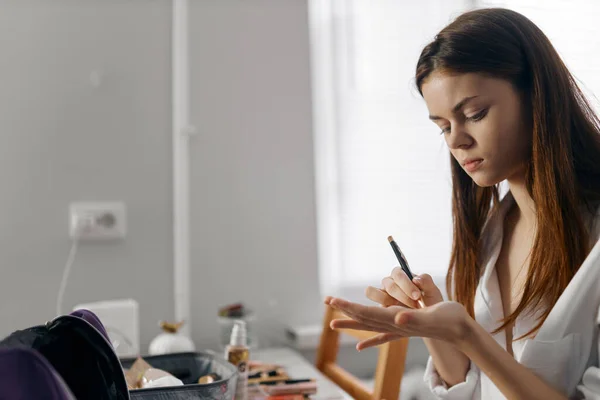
{"x":564,"y":352}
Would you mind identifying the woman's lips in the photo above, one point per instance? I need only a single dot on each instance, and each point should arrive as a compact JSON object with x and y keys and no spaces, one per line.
{"x":472,"y":164}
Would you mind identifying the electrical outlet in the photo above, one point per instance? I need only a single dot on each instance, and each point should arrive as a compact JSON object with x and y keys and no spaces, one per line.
{"x":97,"y":221}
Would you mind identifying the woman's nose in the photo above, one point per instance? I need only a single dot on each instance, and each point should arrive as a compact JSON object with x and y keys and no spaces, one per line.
{"x":458,"y":138}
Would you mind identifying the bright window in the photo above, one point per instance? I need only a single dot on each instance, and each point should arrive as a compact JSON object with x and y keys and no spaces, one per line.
{"x":382,"y":167}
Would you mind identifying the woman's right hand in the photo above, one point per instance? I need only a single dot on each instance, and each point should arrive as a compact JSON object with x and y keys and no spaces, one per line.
{"x":399,"y":290}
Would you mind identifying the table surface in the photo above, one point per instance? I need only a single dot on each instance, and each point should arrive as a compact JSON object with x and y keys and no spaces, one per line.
{"x":298,"y":367}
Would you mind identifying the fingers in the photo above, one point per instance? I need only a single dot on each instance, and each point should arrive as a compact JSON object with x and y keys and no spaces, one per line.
{"x":382,"y":297}
{"x":425,"y":283}
{"x":397,"y":292}
{"x":408,"y":287}
{"x":355,"y":325}
{"x":431,"y":293}
{"x":359,"y":322}
{"x":377,"y":340}
{"x":361,"y":313}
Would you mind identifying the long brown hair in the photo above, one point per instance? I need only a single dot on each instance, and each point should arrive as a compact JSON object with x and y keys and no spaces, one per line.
{"x":564,"y":170}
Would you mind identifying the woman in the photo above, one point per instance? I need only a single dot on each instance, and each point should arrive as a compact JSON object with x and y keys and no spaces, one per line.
{"x":524,"y":271}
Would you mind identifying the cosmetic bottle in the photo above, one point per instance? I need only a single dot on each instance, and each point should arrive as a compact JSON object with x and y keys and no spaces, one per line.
{"x":238,"y":354}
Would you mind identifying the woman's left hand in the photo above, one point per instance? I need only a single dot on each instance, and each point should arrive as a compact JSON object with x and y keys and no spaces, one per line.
{"x":447,"y":321}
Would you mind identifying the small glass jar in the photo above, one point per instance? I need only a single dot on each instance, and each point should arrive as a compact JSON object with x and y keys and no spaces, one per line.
{"x":226,"y":326}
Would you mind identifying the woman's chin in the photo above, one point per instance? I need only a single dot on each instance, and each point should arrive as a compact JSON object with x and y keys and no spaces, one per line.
{"x":484,"y":180}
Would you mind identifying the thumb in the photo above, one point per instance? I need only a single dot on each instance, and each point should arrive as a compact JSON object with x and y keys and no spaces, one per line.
{"x":430,"y":291}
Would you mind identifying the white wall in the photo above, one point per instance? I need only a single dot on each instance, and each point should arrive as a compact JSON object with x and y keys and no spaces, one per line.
{"x":63,"y":139}
{"x":253,"y":212}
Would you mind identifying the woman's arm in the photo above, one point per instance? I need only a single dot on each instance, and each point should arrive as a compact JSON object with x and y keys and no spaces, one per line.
{"x":450,"y":363}
{"x":449,"y":322}
{"x":514,"y":380}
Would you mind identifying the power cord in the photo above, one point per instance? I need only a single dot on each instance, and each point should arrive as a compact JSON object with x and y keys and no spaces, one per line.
{"x":82,"y":224}
{"x":65,"y":276}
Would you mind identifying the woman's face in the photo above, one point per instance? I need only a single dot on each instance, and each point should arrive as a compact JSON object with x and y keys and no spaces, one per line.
{"x":484,"y":122}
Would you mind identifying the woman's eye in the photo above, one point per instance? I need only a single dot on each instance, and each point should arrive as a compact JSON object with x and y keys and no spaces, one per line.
{"x":445,"y":130}
{"x":479,"y":116}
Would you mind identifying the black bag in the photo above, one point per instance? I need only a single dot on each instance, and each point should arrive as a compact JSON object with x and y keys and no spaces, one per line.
{"x":80,"y":352}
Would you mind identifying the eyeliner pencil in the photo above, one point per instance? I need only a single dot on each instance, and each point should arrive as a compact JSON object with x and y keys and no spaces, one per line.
{"x":403,"y":263}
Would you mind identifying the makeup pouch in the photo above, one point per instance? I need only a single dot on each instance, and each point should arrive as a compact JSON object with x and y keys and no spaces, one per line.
{"x":78,"y":349}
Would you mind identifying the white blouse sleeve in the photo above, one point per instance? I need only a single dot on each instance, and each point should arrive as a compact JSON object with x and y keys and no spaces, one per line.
{"x":469,"y":389}
{"x":589,"y":387}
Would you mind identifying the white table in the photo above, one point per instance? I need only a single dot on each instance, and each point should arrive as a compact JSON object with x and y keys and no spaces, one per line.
{"x":298,"y":367}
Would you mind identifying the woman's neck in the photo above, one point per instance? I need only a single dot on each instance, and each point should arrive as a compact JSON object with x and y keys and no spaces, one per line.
{"x":524,"y":202}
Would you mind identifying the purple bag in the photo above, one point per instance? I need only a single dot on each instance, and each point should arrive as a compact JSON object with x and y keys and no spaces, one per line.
{"x":26,"y":375}
{"x":78,"y":349}
{"x":92,"y":319}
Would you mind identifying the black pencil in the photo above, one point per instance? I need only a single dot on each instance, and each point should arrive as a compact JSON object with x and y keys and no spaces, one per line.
{"x":403,"y":262}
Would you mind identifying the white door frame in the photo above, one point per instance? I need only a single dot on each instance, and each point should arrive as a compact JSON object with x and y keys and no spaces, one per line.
{"x":182,"y":131}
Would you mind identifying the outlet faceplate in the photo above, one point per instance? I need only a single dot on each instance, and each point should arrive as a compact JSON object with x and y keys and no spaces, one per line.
{"x":97,"y":220}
